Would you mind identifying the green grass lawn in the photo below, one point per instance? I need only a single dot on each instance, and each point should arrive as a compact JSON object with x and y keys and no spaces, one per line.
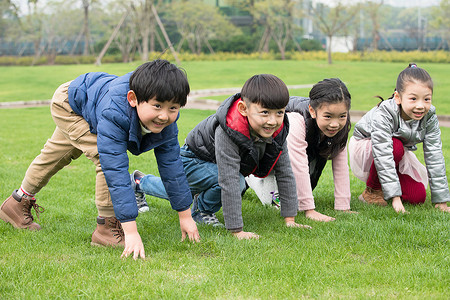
{"x":373,"y":254}
{"x":364,"y":79}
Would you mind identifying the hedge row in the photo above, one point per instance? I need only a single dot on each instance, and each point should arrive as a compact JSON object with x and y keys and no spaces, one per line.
{"x":379,"y":56}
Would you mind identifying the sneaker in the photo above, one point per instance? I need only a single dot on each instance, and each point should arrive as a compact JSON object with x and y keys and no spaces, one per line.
{"x":204,"y":218}
{"x":109,"y":232}
{"x":16,"y":210}
{"x":140,"y":195}
{"x":207,"y":219}
{"x":371,"y":196}
{"x":275,"y":199}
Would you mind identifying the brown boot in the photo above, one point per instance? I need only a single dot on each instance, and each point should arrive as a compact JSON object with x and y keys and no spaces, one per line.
{"x":371,"y":196}
{"x":109,"y":232}
{"x":17,"y":211}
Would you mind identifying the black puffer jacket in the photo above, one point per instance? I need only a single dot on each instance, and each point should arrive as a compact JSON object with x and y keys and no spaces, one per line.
{"x":201,"y":139}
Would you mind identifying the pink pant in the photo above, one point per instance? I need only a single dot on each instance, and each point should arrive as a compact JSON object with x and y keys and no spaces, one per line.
{"x":412,"y":191}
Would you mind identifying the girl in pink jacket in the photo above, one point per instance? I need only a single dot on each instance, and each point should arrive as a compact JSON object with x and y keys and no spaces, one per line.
{"x":319,"y":127}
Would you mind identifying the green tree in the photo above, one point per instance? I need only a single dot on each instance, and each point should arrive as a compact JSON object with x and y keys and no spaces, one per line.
{"x":332,"y":20}
{"x":441,"y":20}
{"x":10,"y":15}
{"x":198,"y":23}
{"x":59,"y":26}
{"x":146,"y":25}
{"x":277,"y":15}
{"x":372,"y":8}
{"x":85,"y":30}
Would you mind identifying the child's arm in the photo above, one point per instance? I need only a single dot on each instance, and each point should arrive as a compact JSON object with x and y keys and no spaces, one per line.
{"x":188,"y":226}
{"x":297,"y":146}
{"x":341,"y":178}
{"x":287,"y":189}
{"x":435,"y":163}
{"x":112,"y":147}
{"x":173,"y":176}
{"x":383,"y":122}
{"x":228,"y":165}
{"x":296,"y":141}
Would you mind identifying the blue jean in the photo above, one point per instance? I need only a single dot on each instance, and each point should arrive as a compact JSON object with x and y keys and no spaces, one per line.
{"x":203,"y":180}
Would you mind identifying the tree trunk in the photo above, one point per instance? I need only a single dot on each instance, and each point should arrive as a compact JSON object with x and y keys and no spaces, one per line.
{"x":163,"y":30}
{"x":75,"y":44}
{"x":267,"y":43}
{"x":144,"y":55}
{"x":180,"y":44}
{"x":330,"y":61}
{"x":263,"y":39}
{"x":86,"y":27}
{"x":152,"y":35}
{"x":98,"y":61}
{"x":209,"y":46}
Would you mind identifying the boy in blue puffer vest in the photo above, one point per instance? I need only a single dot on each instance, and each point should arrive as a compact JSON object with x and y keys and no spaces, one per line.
{"x":102,"y":116}
{"x":247,"y":135}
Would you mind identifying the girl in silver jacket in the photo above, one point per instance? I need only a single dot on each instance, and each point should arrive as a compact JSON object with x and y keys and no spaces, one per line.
{"x":383,"y":140}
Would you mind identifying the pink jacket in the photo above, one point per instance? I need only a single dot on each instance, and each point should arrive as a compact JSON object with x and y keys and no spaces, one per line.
{"x":299,"y":161}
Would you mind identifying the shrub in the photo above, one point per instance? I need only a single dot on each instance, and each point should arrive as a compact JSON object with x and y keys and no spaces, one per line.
{"x":381,"y":56}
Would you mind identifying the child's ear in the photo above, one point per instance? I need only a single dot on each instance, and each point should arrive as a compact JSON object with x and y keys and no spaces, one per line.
{"x":397,"y":98}
{"x":242,"y":108}
{"x":131,"y":97}
{"x":312,"y":112}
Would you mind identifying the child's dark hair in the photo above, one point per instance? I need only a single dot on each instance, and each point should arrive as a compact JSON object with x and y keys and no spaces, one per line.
{"x":330,"y":91}
{"x":160,"y":79}
{"x":411,"y":74}
{"x":267,"y":90}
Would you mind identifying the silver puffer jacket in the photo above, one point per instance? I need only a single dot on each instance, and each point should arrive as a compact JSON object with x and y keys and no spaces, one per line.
{"x":384,"y":122}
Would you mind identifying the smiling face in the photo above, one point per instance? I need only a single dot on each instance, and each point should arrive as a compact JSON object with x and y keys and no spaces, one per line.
{"x":153,"y":114}
{"x":262,"y":120}
{"x":415,"y":100}
{"x":330,"y":117}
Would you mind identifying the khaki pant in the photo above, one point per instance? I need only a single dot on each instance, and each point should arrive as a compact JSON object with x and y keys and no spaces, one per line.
{"x":70,"y":139}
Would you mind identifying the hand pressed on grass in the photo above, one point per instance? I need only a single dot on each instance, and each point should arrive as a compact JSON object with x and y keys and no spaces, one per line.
{"x":290,"y":222}
{"x":398,"y":205}
{"x":133,"y":241}
{"x":443,"y":207}
{"x":242,"y":235}
{"x":188,"y":226}
{"x":317,"y":216}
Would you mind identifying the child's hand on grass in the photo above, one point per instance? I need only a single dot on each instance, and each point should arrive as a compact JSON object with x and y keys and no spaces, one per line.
{"x":188,"y":226}
{"x":133,"y":242}
{"x":398,"y":205}
{"x":443,"y":207}
{"x":242,"y":235}
{"x":317,"y":216}
{"x":290,"y":222}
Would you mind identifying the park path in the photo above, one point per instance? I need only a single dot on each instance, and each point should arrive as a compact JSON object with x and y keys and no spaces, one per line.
{"x":196,"y":100}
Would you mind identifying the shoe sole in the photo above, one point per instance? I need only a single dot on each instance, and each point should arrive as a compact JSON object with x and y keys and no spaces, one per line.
{"x":143,"y":210}
{"x":200,"y":221}
{"x":109,"y":245}
{"x":7,"y":219}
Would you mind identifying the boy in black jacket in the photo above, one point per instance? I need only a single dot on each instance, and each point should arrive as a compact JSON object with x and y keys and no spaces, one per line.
{"x":247,"y":135}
